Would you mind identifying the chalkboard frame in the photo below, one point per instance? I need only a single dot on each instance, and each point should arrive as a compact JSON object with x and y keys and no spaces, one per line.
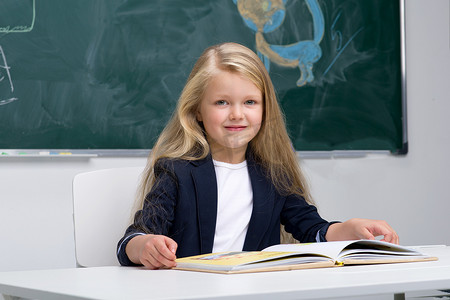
{"x":28,"y":152}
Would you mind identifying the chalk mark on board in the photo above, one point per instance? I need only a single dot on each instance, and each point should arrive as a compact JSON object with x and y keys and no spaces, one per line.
{"x":337,"y":34}
{"x":21,"y":28}
{"x":4,"y":102}
{"x":6,"y":68}
{"x":264,"y":16}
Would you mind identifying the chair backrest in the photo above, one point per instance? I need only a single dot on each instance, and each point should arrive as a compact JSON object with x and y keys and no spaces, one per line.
{"x":102,"y":203}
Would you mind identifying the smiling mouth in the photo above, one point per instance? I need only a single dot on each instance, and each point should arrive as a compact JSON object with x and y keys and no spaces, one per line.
{"x":235,"y":128}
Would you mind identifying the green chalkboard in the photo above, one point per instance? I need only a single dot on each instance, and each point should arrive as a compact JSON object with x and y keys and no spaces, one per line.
{"x":106,"y":74}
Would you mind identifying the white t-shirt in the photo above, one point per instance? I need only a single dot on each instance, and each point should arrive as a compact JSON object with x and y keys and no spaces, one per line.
{"x":234,"y":206}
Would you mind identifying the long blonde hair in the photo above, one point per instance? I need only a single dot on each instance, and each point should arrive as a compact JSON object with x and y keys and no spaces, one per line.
{"x":184,"y":138}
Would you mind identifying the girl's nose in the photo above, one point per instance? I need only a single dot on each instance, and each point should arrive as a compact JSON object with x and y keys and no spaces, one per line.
{"x":236,"y":113}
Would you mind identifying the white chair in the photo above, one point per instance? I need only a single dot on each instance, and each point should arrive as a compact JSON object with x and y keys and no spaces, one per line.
{"x":102,"y":204}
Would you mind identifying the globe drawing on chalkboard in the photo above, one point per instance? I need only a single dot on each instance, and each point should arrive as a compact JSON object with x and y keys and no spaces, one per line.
{"x":264,"y":16}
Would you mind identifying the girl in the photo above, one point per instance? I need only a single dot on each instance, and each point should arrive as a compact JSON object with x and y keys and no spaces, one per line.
{"x":222,"y":175}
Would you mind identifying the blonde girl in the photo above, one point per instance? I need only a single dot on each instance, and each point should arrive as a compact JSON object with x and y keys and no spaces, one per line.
{"x":223,"y":175}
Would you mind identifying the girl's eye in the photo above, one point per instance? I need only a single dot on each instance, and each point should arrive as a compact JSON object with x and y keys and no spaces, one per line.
{"x":250,"y":102}
{"x":221,"y":102}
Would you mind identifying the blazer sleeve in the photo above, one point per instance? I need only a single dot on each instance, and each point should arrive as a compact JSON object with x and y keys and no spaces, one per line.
{"x":157,"y":214}
{"x":302,"y":219}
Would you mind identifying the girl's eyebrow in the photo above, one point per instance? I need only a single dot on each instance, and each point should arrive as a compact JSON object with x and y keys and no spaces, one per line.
{"x":253,"y":97}
{"x":226,"y":96}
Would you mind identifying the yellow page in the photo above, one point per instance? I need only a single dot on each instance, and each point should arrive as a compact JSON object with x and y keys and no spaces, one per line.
{"x":232,"y":258}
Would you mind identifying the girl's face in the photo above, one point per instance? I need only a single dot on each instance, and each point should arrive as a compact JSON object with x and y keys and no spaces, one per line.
{"x":231,"y":111}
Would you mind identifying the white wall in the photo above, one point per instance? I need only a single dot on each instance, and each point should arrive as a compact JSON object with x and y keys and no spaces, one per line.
{"x":410,"y":192}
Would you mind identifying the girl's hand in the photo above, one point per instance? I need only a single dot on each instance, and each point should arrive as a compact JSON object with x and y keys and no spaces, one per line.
{"x":152,"y":251}
{"x":355,"y":229}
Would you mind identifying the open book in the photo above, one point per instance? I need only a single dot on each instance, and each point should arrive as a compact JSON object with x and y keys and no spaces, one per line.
{"x":302,"y":256}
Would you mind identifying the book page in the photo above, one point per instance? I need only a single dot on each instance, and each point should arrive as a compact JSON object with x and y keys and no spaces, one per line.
{"x":340,"y":249}
{"x":328,"y":249}
{"x":245,"y":259}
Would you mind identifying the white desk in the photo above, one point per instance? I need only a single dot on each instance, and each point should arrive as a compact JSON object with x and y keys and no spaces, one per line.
{"x":138,"y":283}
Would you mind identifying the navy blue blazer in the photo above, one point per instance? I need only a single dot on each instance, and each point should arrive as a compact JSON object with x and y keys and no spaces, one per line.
{"x":183,"y":206}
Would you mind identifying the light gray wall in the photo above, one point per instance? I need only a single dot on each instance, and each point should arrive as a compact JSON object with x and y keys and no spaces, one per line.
{"x":410,"y":192}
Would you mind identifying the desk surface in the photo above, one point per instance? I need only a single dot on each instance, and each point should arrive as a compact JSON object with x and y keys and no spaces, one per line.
{"x":139,"y":283}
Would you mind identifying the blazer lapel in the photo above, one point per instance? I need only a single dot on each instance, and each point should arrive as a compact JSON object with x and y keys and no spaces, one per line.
{"x":263,"y":205}
{"x":205,"y":183}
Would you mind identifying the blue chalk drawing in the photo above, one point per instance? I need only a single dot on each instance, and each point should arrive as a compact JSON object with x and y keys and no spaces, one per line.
{"x":337,"y":35}
{"x":263,"y":16}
